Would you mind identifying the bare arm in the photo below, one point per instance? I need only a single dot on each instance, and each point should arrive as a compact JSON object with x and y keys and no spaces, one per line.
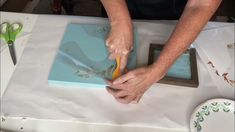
{"x":117,"y":11}
{"x":131,"y":86}
{"x":195,"y":16}
{"x":120,"y":38}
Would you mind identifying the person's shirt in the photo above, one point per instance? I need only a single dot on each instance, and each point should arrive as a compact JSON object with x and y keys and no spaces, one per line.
{"x":154,"y":9}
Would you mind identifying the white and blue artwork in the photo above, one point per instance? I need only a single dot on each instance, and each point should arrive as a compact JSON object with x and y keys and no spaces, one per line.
{"x":82,"y":58}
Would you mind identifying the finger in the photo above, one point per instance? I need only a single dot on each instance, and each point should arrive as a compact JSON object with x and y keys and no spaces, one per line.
{"x":113,"y":56}
{"x":111,"y":91}
{"x":137,"y":99}
{"x":123,"y":62}
{"x":124,"y":100}
{"x":117,"y":86}
{"x":121,"y":94}
{"x":111,"y":50}
{"x":125,"y":52}
{"x":110,"y":44}
{"x":112,"y":47}
{"x":117,"y":93}
{"x":109,"y":41}
{"x":122,"y":52}
{"x":124,"y":78}
{"x":137,"y":80}
{"x":118,"y":52}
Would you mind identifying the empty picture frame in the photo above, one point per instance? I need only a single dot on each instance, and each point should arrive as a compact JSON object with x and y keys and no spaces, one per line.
{"x":183,"y":72}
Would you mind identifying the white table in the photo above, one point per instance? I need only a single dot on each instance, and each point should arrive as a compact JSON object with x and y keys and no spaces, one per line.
{"x":37,"y":25}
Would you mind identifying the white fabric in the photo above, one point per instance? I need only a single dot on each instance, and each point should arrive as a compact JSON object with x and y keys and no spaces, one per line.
{"x":7,"y":67}
{"x":166,"y":106}
{"x":214,"y":44}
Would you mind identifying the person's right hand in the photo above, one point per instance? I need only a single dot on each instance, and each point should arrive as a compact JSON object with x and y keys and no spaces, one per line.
{"x":120,"y":42}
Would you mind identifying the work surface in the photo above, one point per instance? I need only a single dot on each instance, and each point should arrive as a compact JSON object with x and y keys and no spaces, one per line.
{"x":163,"y":107}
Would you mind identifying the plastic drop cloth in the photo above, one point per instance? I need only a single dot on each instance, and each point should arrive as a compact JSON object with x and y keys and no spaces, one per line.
{"x":29,"y":95}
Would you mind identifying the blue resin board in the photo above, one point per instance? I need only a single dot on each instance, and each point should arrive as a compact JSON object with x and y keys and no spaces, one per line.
{"x":82,"y":58}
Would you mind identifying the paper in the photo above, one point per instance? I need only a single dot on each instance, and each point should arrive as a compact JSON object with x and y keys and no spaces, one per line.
{"x":82,"y":58}
{"x":7,"y":67}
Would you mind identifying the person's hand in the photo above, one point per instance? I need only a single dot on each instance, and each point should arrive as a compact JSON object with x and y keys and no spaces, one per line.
{"x":130,"y":87}
{"x":120,"y":42}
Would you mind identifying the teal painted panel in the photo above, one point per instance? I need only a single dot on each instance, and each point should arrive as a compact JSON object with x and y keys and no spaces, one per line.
{"x":82,"y":58}
{"x":181,"y":68}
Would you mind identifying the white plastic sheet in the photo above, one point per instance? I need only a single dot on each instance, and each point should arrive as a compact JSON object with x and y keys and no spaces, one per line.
{"x":29,"y":94}
{"x":7,"y":67}
{"x":216,"y":49}
{"x":214,"y":43}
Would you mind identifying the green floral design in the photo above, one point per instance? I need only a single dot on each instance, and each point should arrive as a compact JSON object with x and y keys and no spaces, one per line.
{"x":208,"y":109}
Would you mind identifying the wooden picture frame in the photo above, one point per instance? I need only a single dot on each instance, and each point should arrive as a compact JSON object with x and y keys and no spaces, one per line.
{"x":189,"y":82}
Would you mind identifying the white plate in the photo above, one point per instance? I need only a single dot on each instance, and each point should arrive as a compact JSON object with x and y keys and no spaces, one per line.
{"x":216,"y":115}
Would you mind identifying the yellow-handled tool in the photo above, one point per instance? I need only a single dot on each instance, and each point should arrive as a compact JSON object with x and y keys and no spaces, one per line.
{"x":117,"y":71}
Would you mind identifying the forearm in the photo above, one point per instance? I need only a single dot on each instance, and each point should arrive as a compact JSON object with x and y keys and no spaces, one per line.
{"x":195,"y":16}
{"x":117,"y":12}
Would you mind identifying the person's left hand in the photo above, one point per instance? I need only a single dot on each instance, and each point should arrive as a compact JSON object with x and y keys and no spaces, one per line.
{"x":130,"y":87}
{"x":120,"y":42}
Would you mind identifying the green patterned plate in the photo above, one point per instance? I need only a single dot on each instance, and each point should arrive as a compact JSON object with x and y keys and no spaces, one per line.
{"x":216,"y":115}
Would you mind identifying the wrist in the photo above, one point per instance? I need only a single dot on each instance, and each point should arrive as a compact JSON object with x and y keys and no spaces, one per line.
{"x":122,"y":23}
{"x":157,"y":72}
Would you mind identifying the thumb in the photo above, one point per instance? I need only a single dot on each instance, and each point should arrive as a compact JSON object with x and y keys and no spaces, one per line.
{"x":124,"y":78}
{"x":123,"y":64}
